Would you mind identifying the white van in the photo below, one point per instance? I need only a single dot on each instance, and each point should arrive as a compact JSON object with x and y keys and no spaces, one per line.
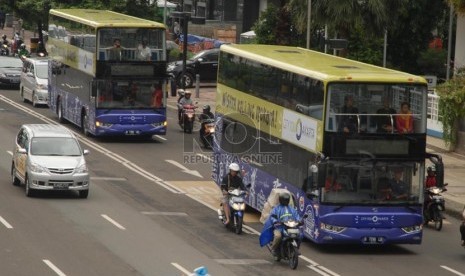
{"x":49,"y":157}
{"x":33,"y":85}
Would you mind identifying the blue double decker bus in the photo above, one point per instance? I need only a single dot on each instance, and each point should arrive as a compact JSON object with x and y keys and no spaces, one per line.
{"x":107,"y":72}
{"x":347,"y":139}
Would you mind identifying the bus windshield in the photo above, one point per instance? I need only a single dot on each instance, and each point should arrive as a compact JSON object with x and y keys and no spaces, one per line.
{"x":129,"y":95}
{"x":376,"y":108}
{"x":131,"y":44}
{"x":385,"y":183}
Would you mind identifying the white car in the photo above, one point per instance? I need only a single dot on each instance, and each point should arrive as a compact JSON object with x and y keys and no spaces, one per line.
{"x":34,"y":81}
{"x":49,"y":157}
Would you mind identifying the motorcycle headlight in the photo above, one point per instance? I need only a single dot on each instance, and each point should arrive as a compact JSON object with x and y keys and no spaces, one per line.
{"x":411,"y":229}
{"x":36,"y":168}
{"x":81,"y":169}
{"x":239,"y":206}
{"x":332,"y":228}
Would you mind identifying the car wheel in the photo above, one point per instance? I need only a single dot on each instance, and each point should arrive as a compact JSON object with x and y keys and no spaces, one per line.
{"x":29,"y":191}
{"x":14,"y":179}
{"x":22,"y":95}
{"x":34,"y":103}
{"x":189,"y":80}
{"x":83,"y":194}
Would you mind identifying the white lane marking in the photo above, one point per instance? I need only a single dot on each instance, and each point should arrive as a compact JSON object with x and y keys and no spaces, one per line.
{"x":182,"y":269}
{"x":172,"y":106}
{"x":242,"y":261}
{"x":452,"y":270}
{"x":184,"y":169}
{"x":210,"y":158}
{"x":108,"y":178}
{"x":165,"y":213}
{"x":7,"y":225}
{"x":113,"y":222}
{"x":159,"y":137}
{"x":317,"y":270}
{"x":10,"y":152}
{"x":54,"y":268}
{"x":313,"y":263}
{"x":328,"y":270}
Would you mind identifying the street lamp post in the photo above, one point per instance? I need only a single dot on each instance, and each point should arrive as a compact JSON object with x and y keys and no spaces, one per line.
{"x":309,"y":18}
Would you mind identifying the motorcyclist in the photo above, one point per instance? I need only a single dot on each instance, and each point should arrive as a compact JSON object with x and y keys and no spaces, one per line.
{"x":431,"y":177}
{"x":5,"y":41}
{"x":180,"y":94}
{"x":230,"y":181}
{"x":206,"y":115}
{"x":281,"y":213}
{"x":186,"y":100}
{"x":23,"y":52}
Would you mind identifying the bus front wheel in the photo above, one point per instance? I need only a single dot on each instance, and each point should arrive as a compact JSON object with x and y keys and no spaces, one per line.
{"x":85,"y":125}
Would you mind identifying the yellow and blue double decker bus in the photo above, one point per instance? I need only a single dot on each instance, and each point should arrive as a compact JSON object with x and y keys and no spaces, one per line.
{"x":107,"y":72}
{"x":347,"y":139}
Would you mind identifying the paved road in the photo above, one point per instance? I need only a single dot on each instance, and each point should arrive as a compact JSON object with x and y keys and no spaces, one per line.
{"x":149,"y":213}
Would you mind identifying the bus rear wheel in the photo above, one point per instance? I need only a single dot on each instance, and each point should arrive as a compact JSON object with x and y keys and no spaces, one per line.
{"x":61,"y":118}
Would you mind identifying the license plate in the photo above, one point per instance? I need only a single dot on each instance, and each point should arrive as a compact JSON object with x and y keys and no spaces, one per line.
{"x":60,"y":186}
{"x":373,"y":240}
{"x":132,"y":132}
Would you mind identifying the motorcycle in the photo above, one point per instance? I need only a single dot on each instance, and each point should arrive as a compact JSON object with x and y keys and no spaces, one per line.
{"x":4,"y":50}
{"x":187,"y":118}
{"x":209,"y":130}
{"x":288,"y":249}
{"x":434,"y":206}
{"x":236,"y":206}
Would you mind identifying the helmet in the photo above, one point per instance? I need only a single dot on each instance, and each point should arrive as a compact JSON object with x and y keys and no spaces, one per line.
{"x":431,"y":168}
{"x":206,"y":107}
{"x":23,"y":46}
{"x":284,"y":199}
{"x":187,"y":92}
{"x":4,"y":36}
{"x":234,"y":167}
{"x":181,"y":92}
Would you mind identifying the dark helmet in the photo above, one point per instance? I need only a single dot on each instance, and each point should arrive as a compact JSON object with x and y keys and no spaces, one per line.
{"x":284,"y":199}
{"x":431,"y":169}
{"x":4,"y":36}
{"x":206,"y":108}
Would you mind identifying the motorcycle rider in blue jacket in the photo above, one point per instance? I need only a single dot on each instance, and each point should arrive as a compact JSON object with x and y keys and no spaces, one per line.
{"x":281,"y":213}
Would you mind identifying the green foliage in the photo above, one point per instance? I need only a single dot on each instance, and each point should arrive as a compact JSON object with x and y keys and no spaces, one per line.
{"x":365,"y":48}
{"x":451,"y":106}
{"x":432,"y":62}
{"x":274,"y":26}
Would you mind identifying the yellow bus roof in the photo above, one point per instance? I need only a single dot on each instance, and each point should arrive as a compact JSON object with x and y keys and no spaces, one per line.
{"x":318,"y":65}
{"x":104,"y":18}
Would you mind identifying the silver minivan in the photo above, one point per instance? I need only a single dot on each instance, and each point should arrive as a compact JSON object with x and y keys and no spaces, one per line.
{"x":33,"y":85}
{"x":49,"y":157}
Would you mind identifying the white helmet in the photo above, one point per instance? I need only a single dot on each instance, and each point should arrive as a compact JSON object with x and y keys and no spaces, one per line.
{"x":234,"y":167}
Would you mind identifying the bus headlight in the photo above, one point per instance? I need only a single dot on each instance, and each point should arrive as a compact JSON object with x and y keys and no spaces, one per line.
{"x":158,"y":124}
{"x":332,"y":228}
{"x":101,"y":124}
{"x":411,"y":229}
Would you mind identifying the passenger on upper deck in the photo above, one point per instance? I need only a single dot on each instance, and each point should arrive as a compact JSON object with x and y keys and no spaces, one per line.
{"x":116,"y":53}
{"x":144,"y":52}
{"x":348,"y":123}
{"x":404,"y":121}
{"x":384,"y":123}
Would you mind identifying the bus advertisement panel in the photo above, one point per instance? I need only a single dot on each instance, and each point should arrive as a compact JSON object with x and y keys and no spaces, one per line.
{"x":347,"y":139}
{"x":107,"y":72}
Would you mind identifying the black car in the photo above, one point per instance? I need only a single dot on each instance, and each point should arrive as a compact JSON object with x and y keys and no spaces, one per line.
{"x":10,"y":71}
{"x":204,"y":63}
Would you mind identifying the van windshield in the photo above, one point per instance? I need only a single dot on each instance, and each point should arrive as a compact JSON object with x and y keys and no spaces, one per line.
{"x":55,"y":146}
{"x":42,"y":71}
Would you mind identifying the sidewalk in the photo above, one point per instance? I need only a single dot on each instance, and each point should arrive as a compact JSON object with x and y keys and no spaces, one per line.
{"x":454,"y":163}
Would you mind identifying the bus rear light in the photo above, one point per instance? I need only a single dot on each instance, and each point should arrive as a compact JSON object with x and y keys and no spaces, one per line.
{"x":411,"y":229}
{"x":332,"y":228}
